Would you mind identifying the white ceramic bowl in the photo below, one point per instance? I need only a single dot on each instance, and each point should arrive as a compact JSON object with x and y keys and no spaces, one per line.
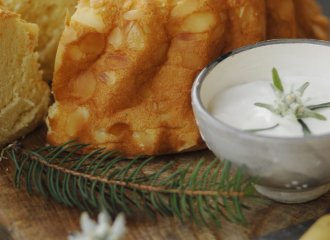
{"x":293,"y":169}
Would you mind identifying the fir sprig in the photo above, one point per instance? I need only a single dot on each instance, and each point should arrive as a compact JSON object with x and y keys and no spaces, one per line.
{"x":96,"y":179}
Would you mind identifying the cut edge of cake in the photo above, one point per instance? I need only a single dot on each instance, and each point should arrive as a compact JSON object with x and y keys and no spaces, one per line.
{"x":24,"y":96}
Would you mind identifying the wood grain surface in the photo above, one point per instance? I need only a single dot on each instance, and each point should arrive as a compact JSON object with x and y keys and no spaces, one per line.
{"x":33,"y":217}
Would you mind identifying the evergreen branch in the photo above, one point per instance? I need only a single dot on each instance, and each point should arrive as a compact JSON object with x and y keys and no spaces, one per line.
{"x":96,"y":179}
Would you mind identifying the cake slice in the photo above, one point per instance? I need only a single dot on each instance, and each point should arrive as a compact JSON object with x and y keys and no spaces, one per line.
{"x":124,"y":70}
{"x":24,"y":97}
{"x":49,"y":15}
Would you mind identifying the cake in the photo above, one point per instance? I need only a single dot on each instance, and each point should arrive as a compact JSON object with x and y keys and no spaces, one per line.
{"x":296,"y":19}
{"x":124,"y":69}
{"x":24,"y":97}
{"x":310,"y":22}
{"x":50,"y":17}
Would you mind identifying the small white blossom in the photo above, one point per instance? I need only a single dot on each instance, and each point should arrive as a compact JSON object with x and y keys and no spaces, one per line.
{"x":101,"y":230}
{"x":291,"y":104}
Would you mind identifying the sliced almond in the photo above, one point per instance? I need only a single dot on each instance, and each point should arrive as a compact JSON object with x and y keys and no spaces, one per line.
{"x":84,"y":4}
{"x":188,"y":41}
{"x":92,"y":43}
{"x":117,"y":61}
{"x":245,"y":15}
{"x":134,"y":38}
{"x":173,"y":3}
{"x":100,"y":135}
{"x":116,"y":38}
{"x":199,"y":22}
{"x":74,"y":52}
{"x":108,"y":77}
{"x":96,"y":3}
{"x":145,"y":141}
{"x":89,"y":18}
{"x":133,"y":14}
{"x":135,"y":5}
{"x":158,"y":3}
{"x":165,"y":116}
{"x":77,"y":120}
{"x":84,"y":85}
{"x":188,"y":143}
{"x":184,"y":8}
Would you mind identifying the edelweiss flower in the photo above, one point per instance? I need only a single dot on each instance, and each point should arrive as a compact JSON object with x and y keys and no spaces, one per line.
{"x":291,"y":105}
{"x":101,"y":230}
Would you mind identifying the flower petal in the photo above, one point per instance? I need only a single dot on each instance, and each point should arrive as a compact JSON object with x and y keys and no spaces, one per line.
{"x":104,"y":217}
{"x":87,"y":224}
{"x":118,"y":227}
{"x":291,"y":116}
{"x":302,"y":88}
{"x":102,"y":229}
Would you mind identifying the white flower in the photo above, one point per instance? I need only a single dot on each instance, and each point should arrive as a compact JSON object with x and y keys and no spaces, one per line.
{"x":101,"y":230}
{"x":291,"y":104}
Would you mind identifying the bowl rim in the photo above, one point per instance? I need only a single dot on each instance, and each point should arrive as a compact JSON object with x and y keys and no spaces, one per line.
{"x":197,"y":85}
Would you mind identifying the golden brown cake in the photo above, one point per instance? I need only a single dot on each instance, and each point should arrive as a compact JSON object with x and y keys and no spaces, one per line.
{"x":281,"y":21}
{"x":24,"y":96}
{"x":310,"y":22}
{"x":296,"y":19}
{"x":124,"y":70}
{"x":50,"y":17}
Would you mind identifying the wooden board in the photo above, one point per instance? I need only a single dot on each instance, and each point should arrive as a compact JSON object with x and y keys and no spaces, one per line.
{"x":33,"y":217}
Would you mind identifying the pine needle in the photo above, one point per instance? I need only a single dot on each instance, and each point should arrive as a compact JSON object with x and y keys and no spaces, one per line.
{"x":95,"y":179}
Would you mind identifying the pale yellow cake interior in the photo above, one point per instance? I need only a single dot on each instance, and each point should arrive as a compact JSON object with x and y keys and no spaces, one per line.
{"x":50,"y":17}
{"x":24,"y":96}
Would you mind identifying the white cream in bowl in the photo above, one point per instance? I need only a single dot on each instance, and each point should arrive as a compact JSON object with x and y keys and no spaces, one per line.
{"x":235,"y":106}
